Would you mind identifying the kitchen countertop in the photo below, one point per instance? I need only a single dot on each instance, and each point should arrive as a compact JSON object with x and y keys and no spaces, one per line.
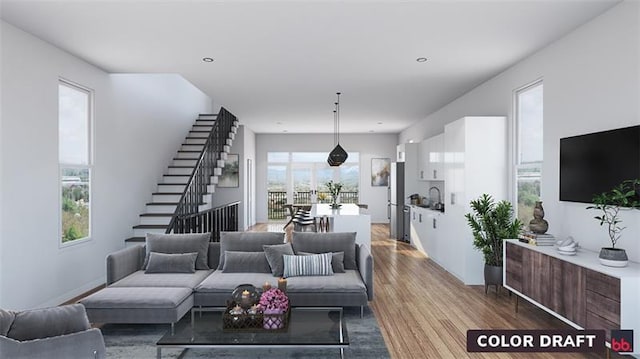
{"x":427,"y":208}
{"x":324,"y":209}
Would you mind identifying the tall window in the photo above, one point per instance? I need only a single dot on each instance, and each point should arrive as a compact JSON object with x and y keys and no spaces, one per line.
{"x":296,"y":177}
{"x":75,"y":158}
{"x":529,"y":124}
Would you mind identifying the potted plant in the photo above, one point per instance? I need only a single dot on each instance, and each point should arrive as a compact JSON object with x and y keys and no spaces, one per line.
{"x":624,"y":195}
{"x":491,"y":223}
{"x":334,"y":189}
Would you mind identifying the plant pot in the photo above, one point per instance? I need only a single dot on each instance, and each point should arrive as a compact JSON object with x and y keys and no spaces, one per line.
{"x":492,"y":276}
{"x":273,"y":319}
{"x":613,"y":257}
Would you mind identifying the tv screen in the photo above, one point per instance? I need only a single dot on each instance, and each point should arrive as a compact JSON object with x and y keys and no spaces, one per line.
{"x":597,"y":162}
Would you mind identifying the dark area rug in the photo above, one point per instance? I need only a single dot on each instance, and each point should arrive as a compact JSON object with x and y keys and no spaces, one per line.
{"x":133,"y":341}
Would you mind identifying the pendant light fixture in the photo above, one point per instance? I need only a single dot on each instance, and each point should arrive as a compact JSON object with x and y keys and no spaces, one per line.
{"x":338,"y":155}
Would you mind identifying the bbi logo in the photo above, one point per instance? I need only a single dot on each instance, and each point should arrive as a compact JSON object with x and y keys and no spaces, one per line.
{"x":622,"y":341}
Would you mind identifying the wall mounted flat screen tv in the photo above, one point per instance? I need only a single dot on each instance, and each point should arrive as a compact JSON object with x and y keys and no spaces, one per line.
{"x":597,"y":162}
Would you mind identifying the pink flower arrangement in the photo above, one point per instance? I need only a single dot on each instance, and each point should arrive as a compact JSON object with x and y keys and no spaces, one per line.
{"x":274,"y":299}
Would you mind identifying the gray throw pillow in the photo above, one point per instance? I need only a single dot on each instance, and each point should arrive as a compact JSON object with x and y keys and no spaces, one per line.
{"x":327,"y":242}
{"x":245,"y":262}
{"x":246,"y":242}
{"x":274,"y":257}
{"x":337,"y":260}
{"x":171,"y":263}
{"x":49,"y":322}
{"x":311,"y":265}
{"x":180,"y":243}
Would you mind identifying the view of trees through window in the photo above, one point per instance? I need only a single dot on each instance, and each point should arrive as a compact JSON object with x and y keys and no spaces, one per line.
{"x":529,"y":122}
{"x":294,"y":177}
{"x":74,"y":151}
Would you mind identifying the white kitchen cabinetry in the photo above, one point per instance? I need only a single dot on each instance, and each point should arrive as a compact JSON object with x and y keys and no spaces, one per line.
{"x":425,"y":228}
{"x":431,"y":159}
{"x":418,"y":227}
{"x":475,"y":162}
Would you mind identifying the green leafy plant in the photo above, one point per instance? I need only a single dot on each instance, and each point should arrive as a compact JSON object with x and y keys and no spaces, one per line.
{"x":611,"y":202}
{"x":491,"y":223}
{"x":334,"y":188}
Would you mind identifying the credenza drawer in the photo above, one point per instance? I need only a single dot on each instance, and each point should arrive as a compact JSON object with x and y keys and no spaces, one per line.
{"x":595,"y":321}
{"x":603,"y":307}
{"x":603,"y":284}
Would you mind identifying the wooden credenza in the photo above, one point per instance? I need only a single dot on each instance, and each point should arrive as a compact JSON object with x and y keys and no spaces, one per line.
{"x":577,"y":289}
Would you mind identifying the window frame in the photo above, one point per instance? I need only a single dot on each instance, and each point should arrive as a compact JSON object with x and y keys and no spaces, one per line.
{"x":517,"y":163}
{"x":89,"y":166}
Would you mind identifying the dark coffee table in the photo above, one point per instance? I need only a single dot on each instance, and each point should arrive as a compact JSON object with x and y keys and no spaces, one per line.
{"x":308,"y":328}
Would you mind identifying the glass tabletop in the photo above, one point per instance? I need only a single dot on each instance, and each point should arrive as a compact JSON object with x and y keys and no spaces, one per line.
{"x":322,"y":327}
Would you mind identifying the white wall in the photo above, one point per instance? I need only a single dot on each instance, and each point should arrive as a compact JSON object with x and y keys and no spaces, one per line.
{"x":244,"y":146}
{"x":140,"y":121}
{"x":591,"y":83}
{"x":368,"y":145}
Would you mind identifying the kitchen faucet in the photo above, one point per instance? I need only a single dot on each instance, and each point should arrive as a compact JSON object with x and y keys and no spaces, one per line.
{"x":437,"y":189}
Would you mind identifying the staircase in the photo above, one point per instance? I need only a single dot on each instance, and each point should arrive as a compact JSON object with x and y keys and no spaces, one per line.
{"x":189,"y":182}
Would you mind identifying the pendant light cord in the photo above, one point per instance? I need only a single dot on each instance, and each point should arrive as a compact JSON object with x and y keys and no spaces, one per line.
{"x":338,"y":118}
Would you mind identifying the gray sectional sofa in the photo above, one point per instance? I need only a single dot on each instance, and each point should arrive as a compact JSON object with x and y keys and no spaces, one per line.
{"x":133,"y":295}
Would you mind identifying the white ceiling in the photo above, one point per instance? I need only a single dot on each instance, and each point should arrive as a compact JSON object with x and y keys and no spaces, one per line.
{"x":284,"y":61}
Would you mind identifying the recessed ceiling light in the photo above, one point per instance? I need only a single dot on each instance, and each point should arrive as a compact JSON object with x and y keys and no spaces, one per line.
{"x":278,"y":123}
{"x":421,"y":59}
{"x":285,"y":131}
{"x":410,"y":141}
{"x":207,"y":59}
{"x":371,"y":131}
{"x":379,"y":122}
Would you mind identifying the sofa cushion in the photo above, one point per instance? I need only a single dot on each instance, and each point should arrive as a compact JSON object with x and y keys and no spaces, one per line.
{"x":246,"y":242}
{"x":337,"y":261}
{"x":180,"y":280}
{"x":6,"y":319}
{"x":179,"y":243}
{"x":309,"y":265}
{"x":49,"y":322}
{"x":327,"y":242}
{"x":171,"y":262}
{"x":219,"y":282}
{"x":245,"y":262}
{"x":348,"y":282}
{"x":274,"y":257}
{"x":139,"y":298}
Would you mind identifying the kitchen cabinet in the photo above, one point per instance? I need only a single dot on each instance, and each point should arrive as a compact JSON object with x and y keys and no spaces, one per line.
{"x":431,"y":159}
{"x":475,"y":162}
{"x":425,"y":224}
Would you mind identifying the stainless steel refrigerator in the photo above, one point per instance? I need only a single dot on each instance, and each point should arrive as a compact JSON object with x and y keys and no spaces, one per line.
{"x":395,"y":199}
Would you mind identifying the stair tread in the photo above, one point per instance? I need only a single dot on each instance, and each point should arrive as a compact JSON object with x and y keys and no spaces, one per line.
{"x":167,"y":193}
{"x":177,"y":176}
{"x":172,"y":184}
{"x":190,"y":151}
{"x":198,"y":131}
{"x":156,"y":215}
{"x":135,"y":239}
{"x":196,"y":125}
{"x":194,"y":138}
{"x":188,"y":159}
{"x":151,"y":226}
{"x":180,"y":167}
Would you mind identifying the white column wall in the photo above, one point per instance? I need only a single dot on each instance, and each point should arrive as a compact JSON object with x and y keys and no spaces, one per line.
{"x":139,"y":122}
{"x":368,"y":145}
{"x":591,"y":83}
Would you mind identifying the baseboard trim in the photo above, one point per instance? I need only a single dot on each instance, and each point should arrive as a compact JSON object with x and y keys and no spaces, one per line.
{"x":73,"y":294}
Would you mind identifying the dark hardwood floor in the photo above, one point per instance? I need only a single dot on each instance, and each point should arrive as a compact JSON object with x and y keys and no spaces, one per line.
{"x":425,"y":312}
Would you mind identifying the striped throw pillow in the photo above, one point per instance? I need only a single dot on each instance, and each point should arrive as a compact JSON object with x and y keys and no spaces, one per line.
{"x":315,"y":264}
